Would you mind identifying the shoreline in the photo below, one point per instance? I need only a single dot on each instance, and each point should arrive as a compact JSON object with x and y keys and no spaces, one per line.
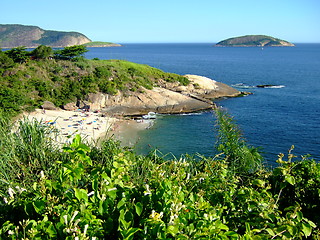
{"x":127,"y":131}
{"x":92,"y":126}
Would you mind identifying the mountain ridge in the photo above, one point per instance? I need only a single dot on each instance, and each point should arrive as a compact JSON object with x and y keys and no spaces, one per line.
{"x":16,"y":35}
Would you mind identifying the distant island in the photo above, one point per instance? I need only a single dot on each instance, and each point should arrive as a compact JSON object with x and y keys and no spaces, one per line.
{"x":254,"y":41}
{"x":16,"y":35}
{"x":101,"y":44}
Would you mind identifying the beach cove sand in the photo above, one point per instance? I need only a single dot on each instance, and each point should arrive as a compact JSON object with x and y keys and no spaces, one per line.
{"x":93,"y":127}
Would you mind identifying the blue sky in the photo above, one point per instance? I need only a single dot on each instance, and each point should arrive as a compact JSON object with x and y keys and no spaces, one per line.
{"x":142,"y":21}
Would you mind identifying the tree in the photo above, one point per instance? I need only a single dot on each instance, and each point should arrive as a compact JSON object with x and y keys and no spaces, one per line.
{"x":42,"y":52}
{"x":5,"y":61}
{"x":18,"y":54}
{"x":72,"y":52}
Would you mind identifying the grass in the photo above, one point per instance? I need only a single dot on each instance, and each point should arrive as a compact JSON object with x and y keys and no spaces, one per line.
{"x":27,"y":149}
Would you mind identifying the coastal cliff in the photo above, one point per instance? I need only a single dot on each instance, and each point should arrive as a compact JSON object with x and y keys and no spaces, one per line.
{"x":15,"y":35}
{"x":254,"y":41}
{"x":167,"y":98}
{"x":115,"y":87}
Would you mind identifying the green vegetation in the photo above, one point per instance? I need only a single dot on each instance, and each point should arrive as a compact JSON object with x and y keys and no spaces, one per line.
{"x":18,"y":55}
{"x":71,"y":53}
{"x":29,"y":78}
{"x":42,"y":52}
{"x":106,"y":192}
{"x":242,"y":158}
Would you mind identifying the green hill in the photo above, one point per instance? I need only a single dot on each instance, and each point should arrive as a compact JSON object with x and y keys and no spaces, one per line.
{"x":15,"y":35}
{"x":254,"y":41}
{"x":27,"y":85}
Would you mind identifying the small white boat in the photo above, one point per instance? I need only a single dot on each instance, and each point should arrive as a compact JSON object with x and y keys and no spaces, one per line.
{"x":150,"y":115}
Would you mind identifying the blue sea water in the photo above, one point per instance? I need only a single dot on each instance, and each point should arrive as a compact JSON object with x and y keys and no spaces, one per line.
{"x":271,"y":118}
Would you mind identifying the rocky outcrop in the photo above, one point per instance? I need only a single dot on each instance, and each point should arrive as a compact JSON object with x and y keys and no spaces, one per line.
{"x":47,"y":105}
{"x":173,"y":99}
{"x":207,"y":88}
{"x":70,"y":106}
{"x":158,"y":100}
{"x":15,"y":35}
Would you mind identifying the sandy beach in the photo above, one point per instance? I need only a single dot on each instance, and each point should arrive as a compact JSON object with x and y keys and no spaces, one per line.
{"x":91,"y":126}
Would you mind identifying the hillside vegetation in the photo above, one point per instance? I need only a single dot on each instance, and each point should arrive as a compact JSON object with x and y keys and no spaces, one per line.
{"x":15,"y":35}
{"x":28,"y":81}
{"x":106,"y":192}
{"x":254,"y":41}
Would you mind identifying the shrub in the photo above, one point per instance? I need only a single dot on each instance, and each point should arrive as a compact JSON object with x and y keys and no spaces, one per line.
{"x":18,"y":55}
{"x":71,"y":53}
{"x":111,"y":193}
{"x":5,"y":60}
{"x":42,"y":52}
{"x":242,"y":158}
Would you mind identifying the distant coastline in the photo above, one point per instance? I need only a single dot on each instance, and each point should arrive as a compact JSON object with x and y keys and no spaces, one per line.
{"x":17,"y":35}
{"x":102,"y":44}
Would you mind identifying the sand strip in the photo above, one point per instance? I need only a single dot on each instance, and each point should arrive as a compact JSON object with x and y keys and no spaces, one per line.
{"x":91,"y":126}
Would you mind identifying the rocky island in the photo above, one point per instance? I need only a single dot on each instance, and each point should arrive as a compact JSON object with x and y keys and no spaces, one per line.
{"x":254,"y":41}
{"x":16,"y":35}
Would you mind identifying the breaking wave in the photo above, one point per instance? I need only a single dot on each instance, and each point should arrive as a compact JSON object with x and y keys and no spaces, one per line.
{"x":245,"y":86}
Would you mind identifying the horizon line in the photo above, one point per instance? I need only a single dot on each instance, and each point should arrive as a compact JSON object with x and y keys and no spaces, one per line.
{"x":196,"y":42}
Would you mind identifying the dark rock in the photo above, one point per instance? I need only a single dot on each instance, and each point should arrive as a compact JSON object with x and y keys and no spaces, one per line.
{"x":265,"y":86}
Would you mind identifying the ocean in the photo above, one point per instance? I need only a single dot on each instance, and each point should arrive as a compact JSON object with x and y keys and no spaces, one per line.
{"x":273,"y":118}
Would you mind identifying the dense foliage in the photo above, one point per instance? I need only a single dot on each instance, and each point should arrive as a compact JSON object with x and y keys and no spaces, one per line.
{"x":71,"y":53}
{"x":106,"y":192}
{"x":63,"y":76}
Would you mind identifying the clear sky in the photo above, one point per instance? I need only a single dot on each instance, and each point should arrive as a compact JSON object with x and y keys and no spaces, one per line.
{"x":142,"y":21}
